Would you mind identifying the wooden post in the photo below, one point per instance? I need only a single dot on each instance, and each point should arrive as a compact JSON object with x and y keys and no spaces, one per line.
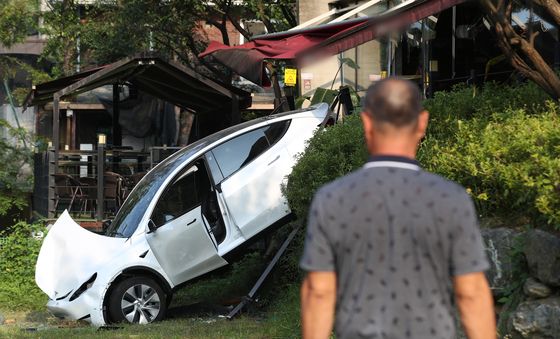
{"x":56,"y":130}
{"x":51,"y":183}
{"x":53,"y":156}
{"x":100,"y":180}
{"x":116,"y":127}
{"x":235,"y":112}
{"x":117,"y":131}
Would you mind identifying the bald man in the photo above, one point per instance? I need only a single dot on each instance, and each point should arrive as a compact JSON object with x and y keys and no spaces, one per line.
{"x":391,"y":249}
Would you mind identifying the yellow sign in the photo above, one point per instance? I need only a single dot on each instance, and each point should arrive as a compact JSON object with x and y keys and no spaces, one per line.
{"x":290,"y":76}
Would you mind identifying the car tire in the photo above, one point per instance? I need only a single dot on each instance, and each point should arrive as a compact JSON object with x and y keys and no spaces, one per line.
{"x":137,"y":300}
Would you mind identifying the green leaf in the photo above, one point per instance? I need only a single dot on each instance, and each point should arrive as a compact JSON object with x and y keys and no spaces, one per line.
{"x":349,"y":62}
{"x":323,"y":95}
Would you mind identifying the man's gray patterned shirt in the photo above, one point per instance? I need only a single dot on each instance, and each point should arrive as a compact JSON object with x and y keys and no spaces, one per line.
{"x":396,"y":236}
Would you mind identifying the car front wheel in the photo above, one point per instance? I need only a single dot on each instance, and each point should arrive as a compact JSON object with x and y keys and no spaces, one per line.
{"x":137,"y":300}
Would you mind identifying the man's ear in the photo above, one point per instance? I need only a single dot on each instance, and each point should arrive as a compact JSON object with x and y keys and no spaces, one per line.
{"x":422,"y":125}
{"x":367,"y":122}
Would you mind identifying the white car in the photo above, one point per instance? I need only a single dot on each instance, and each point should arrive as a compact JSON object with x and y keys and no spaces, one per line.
{"x":181,"y":221}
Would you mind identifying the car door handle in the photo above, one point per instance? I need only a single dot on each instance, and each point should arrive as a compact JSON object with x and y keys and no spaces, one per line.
{"x":277,"y":157}
{"x":192,"y":222}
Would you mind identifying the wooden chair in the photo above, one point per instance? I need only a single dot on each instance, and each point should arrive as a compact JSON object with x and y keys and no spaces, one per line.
{"x":113,"y":189}
{"x":89,"y":188}
{"x":67,"y":189}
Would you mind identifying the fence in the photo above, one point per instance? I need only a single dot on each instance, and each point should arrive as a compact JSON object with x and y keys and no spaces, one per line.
{"x":90,"y":184}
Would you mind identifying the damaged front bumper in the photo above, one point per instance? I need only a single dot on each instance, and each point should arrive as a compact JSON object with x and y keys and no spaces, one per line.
{"x":74,"y":269}
{"x":86,"y":307}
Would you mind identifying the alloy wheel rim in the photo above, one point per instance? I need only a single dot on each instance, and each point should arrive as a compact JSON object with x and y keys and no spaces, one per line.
{"x":140,"y":304}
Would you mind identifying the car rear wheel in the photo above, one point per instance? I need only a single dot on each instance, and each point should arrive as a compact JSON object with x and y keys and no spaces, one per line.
{"x":137,"y":300}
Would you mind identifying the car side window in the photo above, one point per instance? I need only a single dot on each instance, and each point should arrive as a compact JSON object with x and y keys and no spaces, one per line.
{"x":235,"y":153}
{"x":276,"y":131}
{"x":182,"y":195}
{"x":239,"y":151}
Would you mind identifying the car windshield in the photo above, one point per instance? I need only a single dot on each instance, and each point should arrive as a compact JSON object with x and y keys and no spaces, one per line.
{"x":130,"y":214}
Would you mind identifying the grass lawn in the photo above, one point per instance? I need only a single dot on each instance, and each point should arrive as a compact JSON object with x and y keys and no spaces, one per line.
{"x":198,"y":327}
{"x":182,"y":322}
{"x":195,"y":312}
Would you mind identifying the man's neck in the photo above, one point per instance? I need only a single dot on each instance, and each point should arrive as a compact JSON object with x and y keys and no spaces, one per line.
{"x":392,"y":154}
{"x":393,"y":145}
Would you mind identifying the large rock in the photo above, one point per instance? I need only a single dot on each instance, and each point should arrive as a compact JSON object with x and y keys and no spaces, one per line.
{"x":537,"y":319}
{"x":542,"y":251}
{"x":500,"y":243}
{"x":535,"y":289}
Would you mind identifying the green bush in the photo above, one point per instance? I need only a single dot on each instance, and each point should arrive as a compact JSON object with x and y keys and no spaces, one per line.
{"x":502,"y":144}
{"x":509,"y":162}
{"x":331,"y":153}
{"x":18,"y":256}
{"x":465,"y":103}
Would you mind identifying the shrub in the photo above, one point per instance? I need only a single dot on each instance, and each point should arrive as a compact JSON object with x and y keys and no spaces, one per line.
{"x":331,"y":153}
{"x":465,"y":103}
{"x":502,"y":144}
{"x":509,"y":162}
{"x":18,"y":256}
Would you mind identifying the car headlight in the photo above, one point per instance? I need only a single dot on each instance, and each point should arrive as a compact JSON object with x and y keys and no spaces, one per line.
{"x":84,"y":287}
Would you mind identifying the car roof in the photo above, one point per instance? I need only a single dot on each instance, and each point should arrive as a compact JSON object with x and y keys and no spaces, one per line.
{"x":208,"y":140}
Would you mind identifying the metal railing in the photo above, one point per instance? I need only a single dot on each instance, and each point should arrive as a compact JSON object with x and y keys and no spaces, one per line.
{"x":94,"y":184}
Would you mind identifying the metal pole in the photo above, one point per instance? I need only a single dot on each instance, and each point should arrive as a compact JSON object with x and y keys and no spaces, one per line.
{"x":249,"y":297}
{"x":453,"y":47}
{"x":357,"y":61}
{"x":341,"y":65}
{"x":425,"y":60}
{"x":389,"y":56}
{"x":100,"y":180}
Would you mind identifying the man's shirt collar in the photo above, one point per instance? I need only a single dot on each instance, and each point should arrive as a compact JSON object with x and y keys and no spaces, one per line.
{"x":392,"y":161}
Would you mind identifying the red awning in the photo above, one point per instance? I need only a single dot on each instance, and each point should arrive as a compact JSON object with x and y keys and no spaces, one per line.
{"x":308,"y":45}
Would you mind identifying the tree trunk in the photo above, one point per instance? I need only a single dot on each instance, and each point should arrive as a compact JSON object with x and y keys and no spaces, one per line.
{"x":520,"y":51}
{"x":552,"y":7}
{"x":186,"y":119}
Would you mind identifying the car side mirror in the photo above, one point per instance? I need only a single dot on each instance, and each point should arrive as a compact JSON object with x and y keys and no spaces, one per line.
{"x":151,"y":226}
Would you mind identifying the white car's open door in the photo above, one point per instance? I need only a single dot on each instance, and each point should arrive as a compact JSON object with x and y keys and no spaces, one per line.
{"x":179,"y":236}
{"x":184,"y":248}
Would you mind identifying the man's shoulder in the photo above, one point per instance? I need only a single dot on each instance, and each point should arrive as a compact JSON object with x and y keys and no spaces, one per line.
{"x":443,"y":185}
{"x":340,"y":184}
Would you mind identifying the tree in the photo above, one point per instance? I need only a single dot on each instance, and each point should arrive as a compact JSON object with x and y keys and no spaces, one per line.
{"x":15,"y":167}
{"x":106,"y":32}
{"x":519,"y":47}
{"x":17,"y":19}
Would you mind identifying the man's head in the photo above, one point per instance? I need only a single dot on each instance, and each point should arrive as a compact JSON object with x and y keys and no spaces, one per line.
{"x":393,"y":118}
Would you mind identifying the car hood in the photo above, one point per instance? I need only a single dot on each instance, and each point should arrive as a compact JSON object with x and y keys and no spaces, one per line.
{"x":70,"y":255}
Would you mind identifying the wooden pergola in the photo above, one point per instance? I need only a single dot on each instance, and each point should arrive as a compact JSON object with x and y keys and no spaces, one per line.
{"x":216,"y":104}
